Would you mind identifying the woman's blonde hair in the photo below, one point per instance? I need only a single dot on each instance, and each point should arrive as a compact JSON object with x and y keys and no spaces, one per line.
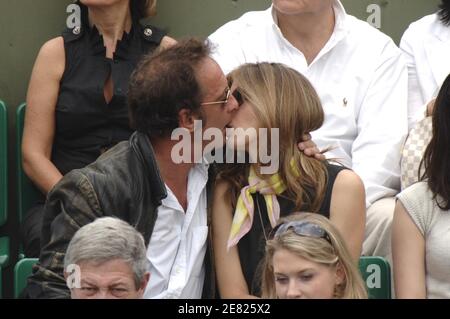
{"x":317,"y":250}
{"x":283,"y":98}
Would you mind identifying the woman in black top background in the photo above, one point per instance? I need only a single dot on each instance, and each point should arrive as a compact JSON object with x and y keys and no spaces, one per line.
{"x":76,"y":100}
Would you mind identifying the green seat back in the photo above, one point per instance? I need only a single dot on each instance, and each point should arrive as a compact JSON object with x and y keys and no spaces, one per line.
{"x":27,"y":193}
{"x":4,"y":241}
{"x":4,"y":257}
{"x":376,"y":274}
{"x":3,"y":163}
{"x":4,"y":251}
{"x":22,"y":270}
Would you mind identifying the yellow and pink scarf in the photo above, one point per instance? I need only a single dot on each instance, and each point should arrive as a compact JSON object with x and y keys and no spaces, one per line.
{"x":245,"y":208}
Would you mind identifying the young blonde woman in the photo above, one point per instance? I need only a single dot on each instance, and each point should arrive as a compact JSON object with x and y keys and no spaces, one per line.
{"x":307,"y":258}
{"x":76,"y":101}
{"x":248,"y":204}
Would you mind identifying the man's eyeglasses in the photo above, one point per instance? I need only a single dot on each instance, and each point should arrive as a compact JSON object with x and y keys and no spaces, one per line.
{"x":236,"y":94}
{"x":301,"y":228}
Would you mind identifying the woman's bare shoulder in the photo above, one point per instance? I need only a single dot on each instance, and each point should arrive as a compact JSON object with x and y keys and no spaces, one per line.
{"x":167,"y":42}
{"x":52,"y":54}
{"x":348,"y":180}
{"x":53,"y":47}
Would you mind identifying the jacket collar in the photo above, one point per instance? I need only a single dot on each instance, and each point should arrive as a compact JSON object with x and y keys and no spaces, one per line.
{"x":141,"y":145}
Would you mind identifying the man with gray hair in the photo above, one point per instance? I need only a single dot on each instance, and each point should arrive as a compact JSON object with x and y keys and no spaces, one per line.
{"x":106,"y":259}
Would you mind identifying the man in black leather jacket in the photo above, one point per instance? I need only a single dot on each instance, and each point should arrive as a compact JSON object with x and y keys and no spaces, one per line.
{"x":169,"y":89}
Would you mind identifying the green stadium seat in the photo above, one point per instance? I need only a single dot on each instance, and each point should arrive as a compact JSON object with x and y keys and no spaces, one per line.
{"x":4,"y":241}
{"x":4,"y":251}
{"x":4,"y":258}
{"x":376,"y":274}
{"x":27,"y":193}
{"x":3,"y":163}
{"x":22,"y":270}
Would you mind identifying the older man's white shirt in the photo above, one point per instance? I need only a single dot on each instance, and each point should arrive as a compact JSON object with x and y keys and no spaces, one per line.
{"x":361,"y":78}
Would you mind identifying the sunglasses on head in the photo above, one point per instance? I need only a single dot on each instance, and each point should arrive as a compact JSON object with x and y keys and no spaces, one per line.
{"x":301,"y":228}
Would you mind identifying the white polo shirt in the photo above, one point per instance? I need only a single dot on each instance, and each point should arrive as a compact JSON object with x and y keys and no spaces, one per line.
{"x":361,"y":78}
{"x":178,"y":244}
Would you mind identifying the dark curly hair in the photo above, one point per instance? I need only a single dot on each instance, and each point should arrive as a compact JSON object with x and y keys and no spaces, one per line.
{"x":164,"y":83}
{"x":444,"y":12}
{"x":436,"y":159}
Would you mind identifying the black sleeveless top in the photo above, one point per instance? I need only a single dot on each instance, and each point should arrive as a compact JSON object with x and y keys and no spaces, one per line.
{"x":85,"y":124}
{"x":251,"y":247}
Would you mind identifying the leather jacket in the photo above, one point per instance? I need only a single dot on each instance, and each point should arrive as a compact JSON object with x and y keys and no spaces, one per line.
{"x":124,"y":182}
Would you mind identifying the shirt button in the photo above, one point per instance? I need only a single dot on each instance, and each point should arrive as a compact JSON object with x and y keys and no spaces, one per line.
{"x":148,"y":32}
{"x":76,"y":30}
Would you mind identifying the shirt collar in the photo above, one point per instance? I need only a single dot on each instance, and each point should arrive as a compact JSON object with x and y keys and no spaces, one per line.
{"x":440,"y":30}
{"x":202,"y":167}
{"x":341,"y":27}
{"x":199,"y":174}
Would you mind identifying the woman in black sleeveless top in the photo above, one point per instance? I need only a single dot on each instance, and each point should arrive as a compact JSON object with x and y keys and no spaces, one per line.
{"x":76,"y":101}
{"x":251,"y":197}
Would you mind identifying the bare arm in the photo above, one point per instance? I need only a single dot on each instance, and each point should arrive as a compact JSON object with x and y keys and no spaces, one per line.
{"x":408,"y":252}
{"x":230,"y":278}
{"x":167,"y":42}
{"x":348,"y":210}
{"x":39,"y":124}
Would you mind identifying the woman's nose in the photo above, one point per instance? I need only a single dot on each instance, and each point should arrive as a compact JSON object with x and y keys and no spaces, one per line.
{"x":294,"y":291}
